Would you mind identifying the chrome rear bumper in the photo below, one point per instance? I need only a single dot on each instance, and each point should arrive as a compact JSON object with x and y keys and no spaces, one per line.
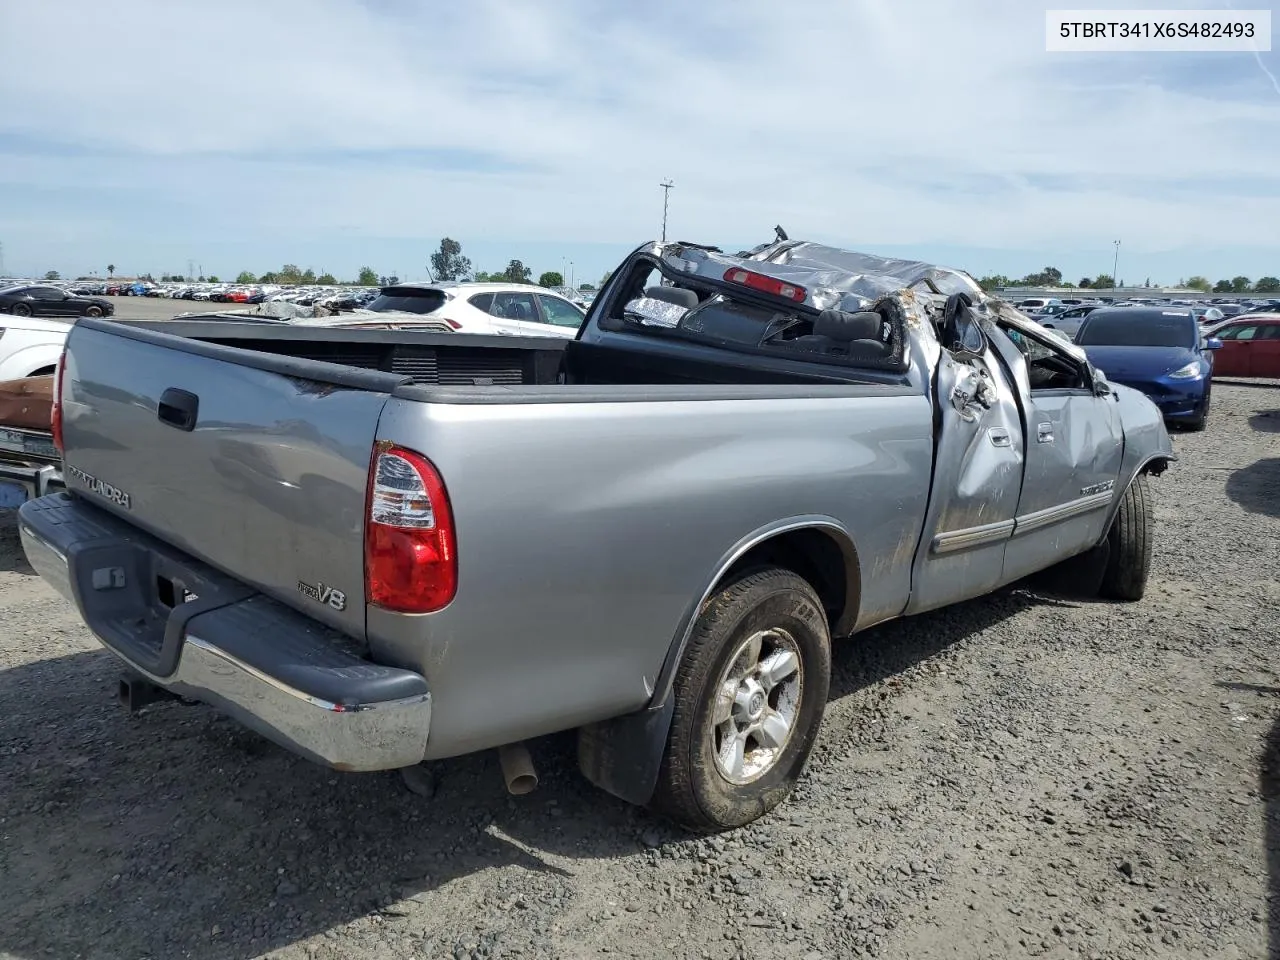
{"x":252,"y":658}
{"x":37,"y":479}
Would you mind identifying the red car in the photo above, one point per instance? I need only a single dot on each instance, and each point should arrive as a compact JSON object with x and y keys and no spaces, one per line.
{"x":1250,"y":346}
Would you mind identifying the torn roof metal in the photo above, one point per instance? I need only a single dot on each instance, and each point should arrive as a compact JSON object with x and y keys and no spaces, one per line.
{"x":832,"y":277}
{"x":851,"y":280}
{"x":869,"y":275}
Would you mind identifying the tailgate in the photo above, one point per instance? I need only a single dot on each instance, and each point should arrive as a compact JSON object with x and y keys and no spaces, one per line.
{"x":255,"y":464}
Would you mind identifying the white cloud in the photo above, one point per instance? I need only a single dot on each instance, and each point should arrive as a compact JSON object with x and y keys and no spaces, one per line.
{"x":879,"y":122}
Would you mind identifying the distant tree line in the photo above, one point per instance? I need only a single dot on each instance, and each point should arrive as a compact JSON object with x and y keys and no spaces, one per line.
{"x":1052,"y":277}
{"x":1235,"y":285}
{"x":446,"y":263}
{"x":449,"y":263}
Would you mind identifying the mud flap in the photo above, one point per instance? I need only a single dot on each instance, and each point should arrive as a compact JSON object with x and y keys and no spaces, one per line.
{"x":623,"y":756}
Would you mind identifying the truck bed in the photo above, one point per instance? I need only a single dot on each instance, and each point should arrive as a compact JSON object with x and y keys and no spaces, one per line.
{"x":448,"y":359}
{"x":467,"y":361}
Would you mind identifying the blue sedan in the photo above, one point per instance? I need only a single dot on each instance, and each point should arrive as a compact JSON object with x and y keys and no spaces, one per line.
{"x":1160,"y":352}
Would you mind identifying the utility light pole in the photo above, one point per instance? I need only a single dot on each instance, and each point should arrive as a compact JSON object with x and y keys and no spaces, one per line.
{"x":666,"y":186}
{"x":1115,"y":266}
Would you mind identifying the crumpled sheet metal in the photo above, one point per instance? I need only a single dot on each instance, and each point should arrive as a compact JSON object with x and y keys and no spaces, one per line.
{"x":1020,"y":321}
{"x":872,"y":277}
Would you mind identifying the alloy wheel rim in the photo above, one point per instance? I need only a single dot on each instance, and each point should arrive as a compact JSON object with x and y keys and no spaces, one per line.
{"x":757,"y":702}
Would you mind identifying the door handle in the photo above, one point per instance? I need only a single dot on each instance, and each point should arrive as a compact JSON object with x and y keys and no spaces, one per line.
{"x":999,"y":437}
{"x":178,"y":408}
{"x":1044,"y":433}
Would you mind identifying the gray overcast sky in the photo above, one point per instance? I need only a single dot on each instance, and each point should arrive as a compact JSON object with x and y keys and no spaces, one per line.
{"x":335,"y":133}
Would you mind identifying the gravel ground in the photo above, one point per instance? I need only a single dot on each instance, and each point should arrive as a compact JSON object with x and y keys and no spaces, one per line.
{"x":1025,"y":775}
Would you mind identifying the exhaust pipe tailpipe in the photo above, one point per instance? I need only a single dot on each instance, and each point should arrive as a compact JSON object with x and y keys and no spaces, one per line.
{"x":517,"y":769}
{"x":135,"y":692}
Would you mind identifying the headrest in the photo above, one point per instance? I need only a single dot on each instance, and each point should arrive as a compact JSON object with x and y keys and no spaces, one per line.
{"x":677,"y":295}
{"x":846,"y":327}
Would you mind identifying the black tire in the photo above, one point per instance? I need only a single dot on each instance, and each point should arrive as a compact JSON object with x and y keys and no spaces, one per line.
{"x":691,"y":789}
{"x":93,"y":311}
{"x":1130,"y":542}
{"x":22,"y":309}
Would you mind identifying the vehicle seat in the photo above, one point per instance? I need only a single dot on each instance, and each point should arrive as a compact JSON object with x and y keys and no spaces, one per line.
{"x":864,"y":335}
{"x":677,"y":295}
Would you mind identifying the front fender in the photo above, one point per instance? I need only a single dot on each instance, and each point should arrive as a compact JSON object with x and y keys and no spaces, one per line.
{"x":1146,"y":442}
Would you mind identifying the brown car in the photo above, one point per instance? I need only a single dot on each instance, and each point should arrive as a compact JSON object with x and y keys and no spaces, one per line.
{"x":1250,"y":346}
{"x":30,"y":466}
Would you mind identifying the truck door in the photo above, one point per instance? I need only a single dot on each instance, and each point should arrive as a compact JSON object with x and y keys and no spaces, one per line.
{"x":976,"y":481}
{"x":1074,"y":446}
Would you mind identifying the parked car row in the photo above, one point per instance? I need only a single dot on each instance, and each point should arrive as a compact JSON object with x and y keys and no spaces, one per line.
{"x":44,"y":300}
{"x":503,"y":309}
{"x":1170,"y":351}
{"x":500,"y":309}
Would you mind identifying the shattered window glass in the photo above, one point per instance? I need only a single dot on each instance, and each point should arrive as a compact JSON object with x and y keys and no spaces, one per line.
{"x":655,"y":313}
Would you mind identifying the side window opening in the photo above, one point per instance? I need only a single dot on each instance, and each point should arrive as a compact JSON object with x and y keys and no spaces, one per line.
{"x":559,"y":312}
{"x":1238,"y":333}
{"x":1047,"y":367}
{"x":514,"y":306}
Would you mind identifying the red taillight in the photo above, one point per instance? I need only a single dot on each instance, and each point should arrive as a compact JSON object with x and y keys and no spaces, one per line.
{"x":55,"y":423}
{"x":410,"y":559}
{"x":453,"y":324}
{"x":758,"y":281}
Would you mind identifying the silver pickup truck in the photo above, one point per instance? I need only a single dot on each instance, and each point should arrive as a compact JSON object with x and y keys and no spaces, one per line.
{"x":650,"y":534}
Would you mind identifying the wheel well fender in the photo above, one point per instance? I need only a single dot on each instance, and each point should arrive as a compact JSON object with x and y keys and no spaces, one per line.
{"x":819,"y":549}
{"x":623,"y":755}
{"x":1154,"y":464}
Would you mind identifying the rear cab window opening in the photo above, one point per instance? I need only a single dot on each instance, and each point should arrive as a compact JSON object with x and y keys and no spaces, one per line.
{"x":657,"y":301}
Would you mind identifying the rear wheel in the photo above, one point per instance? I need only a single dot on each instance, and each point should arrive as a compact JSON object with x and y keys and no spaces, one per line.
{"x":22,"y":309}
{"x":749,"y":697}
{"x":1129,"y":540}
